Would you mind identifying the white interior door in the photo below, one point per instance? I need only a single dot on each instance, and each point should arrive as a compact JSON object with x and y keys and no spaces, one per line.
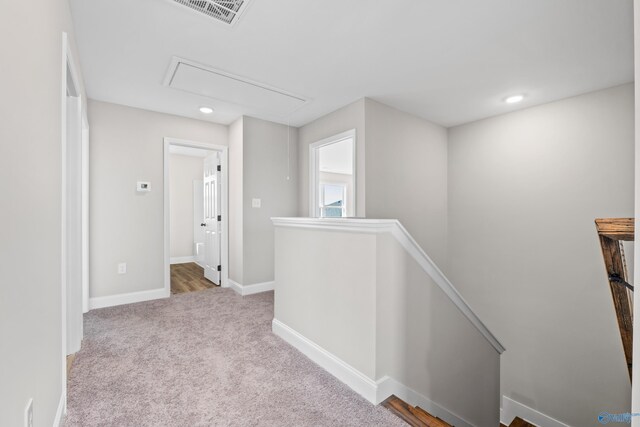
{"x":198,"y":219}
{"x":212,"y":223}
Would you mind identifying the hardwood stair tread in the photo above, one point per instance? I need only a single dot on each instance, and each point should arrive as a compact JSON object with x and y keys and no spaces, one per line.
{"x":428,"y":419}
{"x":414,"y":416}
{"x":401,"y":409}
{"x":519,"y":422}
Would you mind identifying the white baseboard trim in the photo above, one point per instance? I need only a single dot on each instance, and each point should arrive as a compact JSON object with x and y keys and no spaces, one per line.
{"x":374,"y":391}
{"x":58,"y":420}
{"x":182,"y":259}
{"x":511,"y":409}
{"x":256,"y":288}
{"x":251,"y":289}
{"x":359,"y":382}
{"x":235,"y":286}
{"x":388,"y":386}
{"x":129,"y":298}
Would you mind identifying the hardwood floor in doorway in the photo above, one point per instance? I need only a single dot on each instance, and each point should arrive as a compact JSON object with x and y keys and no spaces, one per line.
{"x":188,"y":277}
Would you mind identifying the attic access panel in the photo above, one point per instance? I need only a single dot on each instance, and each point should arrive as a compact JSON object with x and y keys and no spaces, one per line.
{"x":205,"y":81}
{"x":226,"y":11}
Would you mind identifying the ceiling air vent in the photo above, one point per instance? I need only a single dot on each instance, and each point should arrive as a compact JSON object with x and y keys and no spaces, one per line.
{"x":227,"y":11}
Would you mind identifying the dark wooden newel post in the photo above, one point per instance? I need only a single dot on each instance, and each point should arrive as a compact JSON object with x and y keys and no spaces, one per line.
{"x":612,"y":232}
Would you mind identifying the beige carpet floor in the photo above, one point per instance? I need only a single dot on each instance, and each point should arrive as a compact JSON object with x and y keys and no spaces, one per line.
{"x":204,"y":358}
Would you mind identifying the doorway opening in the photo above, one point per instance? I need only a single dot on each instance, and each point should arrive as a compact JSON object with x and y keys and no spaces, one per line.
{"x":332,"y":177}
{"x":196,"y":216}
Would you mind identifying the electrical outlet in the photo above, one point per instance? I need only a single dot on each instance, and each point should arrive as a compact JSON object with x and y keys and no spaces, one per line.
{"x":28,"y":414}
{"x":256,"y":203}
{"x":122,"y":268}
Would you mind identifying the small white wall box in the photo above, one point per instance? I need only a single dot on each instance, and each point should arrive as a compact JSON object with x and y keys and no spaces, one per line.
{"x":143,"y":186}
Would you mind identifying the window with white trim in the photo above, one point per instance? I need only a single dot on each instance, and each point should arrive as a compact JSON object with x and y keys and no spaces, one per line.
{"x":332,"y":177}
{"x":333,"y":200}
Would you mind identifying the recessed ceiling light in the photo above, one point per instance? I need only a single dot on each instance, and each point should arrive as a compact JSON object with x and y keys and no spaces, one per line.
{"x":206,"y":110}
{"x":514,"y":99}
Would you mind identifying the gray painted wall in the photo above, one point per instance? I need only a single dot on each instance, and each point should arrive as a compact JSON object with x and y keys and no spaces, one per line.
{"x":425,"y":342}
{"x":236,"y":246}
{"x":406,"y":177}
{"x":524,"y":189}
{"x":269,"y":156}
{"x":127,"y":146}
{"x":30,"y":295}
{"x":326,"y":291}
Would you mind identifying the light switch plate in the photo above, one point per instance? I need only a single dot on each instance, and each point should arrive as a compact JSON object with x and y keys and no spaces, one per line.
{"x":143,"y":186}
{"x":122,"y":268}
{"x":256,"y":203}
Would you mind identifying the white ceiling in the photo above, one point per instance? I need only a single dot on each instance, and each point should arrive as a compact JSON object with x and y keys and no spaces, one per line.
{"x":337,"y":157}
{"x":449,"y":61}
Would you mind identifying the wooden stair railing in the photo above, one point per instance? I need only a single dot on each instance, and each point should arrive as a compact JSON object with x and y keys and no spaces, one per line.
{"x":612,"y":232}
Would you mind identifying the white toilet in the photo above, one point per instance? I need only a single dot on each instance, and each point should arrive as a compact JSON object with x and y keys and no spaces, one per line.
{"x":198,"y":250}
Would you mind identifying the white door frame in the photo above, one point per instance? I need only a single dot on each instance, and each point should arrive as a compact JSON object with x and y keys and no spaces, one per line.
{"x":314,"y":178}
{"x":70,"y":83}
{"x":85,"y":212}
{"x":224,"y":182}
